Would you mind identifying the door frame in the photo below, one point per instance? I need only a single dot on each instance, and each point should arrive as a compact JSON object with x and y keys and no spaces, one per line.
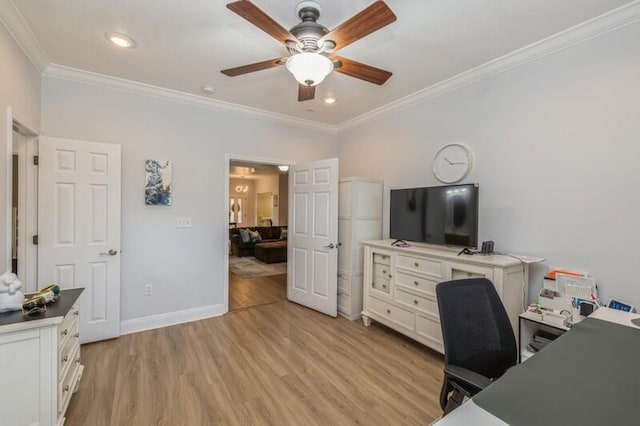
{"x":228,"y":158}
{"x":30,"y":218}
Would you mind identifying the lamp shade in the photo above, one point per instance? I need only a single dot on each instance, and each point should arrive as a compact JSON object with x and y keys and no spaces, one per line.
{"x":309,"y":68}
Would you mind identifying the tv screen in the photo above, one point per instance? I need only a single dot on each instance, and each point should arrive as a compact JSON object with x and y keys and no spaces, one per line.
{"x":446,"y":215}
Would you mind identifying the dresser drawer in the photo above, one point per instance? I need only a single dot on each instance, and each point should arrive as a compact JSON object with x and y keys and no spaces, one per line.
{"x":382,"y":270}
{"x":396,"y":315}
{"x":421,"y":284}
{"x":421,"y":265}
{"x":67,"y":322}
{"x":417,"y":302}
{"x":68,"y":381}
{"x":383,"y":259}
{"x":71,"y":343}
{"x":381,"y":284}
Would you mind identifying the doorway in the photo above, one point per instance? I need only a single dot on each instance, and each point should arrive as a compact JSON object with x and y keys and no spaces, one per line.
{"x":257,"y":248}
{"x":22,"y":195}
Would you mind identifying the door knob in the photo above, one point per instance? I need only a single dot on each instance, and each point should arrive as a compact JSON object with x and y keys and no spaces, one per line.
{"x":330,"y":246}
{"x":111,"y":252}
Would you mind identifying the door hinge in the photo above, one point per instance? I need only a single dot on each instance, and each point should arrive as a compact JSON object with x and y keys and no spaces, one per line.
{"x":36,"y":160}
{"x":34,"y":240}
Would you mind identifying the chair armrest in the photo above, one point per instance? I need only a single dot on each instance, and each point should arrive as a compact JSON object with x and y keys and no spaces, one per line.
{"x":466,"y":376}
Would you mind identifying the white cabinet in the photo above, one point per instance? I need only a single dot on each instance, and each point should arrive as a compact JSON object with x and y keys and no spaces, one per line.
{"x":359,"y":219}
{"x":400,"y":285}
{"x":40,"y":366}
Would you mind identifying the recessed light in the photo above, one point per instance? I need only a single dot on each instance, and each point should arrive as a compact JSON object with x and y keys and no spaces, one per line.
{"x":120,"y":40}
{"x":329,"y":100}
{"x":283,"y":168}
{"x":208,"y":89}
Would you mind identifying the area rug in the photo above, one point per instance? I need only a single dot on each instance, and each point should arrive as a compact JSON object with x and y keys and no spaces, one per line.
{"x":249,"y":266}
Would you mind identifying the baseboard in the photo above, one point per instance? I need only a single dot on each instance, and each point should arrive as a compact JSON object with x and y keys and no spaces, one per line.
{"x":171,"y":318}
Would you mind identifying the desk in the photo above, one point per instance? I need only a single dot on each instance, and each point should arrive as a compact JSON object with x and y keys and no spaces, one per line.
{"x":588,"y":376}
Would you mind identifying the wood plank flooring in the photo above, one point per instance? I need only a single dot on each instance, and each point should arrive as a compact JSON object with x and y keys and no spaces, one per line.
{"x":248,"y":292}
{"x":279,"y":364}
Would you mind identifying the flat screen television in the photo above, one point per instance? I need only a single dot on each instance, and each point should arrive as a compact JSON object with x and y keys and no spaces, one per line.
{"x":446,"y":215}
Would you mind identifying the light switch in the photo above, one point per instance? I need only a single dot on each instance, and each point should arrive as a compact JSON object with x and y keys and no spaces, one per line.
{"x":183,"y":222}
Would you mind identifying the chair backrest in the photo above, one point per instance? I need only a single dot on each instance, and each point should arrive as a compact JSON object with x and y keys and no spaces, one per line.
{"x":476,"y":330}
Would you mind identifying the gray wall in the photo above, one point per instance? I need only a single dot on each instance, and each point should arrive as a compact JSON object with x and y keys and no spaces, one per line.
{"x":20,"y":91}
{"x":185,"y":266}
{"x":556,"y":145}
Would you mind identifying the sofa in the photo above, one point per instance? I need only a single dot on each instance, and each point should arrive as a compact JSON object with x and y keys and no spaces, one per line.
{"x":247,"y":248}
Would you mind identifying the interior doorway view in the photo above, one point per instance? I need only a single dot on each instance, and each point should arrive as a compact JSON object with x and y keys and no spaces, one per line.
{"x":258,"y":206}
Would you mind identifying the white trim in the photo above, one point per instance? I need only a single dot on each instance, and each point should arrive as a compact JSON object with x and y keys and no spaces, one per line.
{"x":14,"y":22}
{"x":602,"y":24}
{"x":62,"y":72}
{"x":171,"y":318}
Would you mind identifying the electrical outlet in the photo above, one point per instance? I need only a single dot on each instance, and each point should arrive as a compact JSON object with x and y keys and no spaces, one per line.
{"x":148,"y":290}
{"x":183,"y":222}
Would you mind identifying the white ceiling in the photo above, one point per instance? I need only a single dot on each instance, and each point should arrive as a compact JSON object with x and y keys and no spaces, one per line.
{"x":183,"y":45}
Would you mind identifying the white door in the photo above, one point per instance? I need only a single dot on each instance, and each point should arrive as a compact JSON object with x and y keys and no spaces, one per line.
{"x":79,"y":228}
{"x":312,"y":278}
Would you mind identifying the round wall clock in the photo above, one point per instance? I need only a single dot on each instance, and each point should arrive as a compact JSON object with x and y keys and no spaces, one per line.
{"x":452,"y":163}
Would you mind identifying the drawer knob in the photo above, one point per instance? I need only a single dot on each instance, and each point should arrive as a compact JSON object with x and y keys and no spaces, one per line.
{"x":64,"y":332}
{"x":417,"y":264}
{"x":384,"y":286}
{"x":390,"y":276}
{"x":76,"y":312}
{"x":416,"y":282}
{"x":76,"y":335}
{"x":66,"y":388}
{"x":468,"y":274}
{"x":66,"y":358}
{"x":388,"y":311}
{"x":384,"y":271}
{"x":78,"y":360}
{"x":415,"y":302}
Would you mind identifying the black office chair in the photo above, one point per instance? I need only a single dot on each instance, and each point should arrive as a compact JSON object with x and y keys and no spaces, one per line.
{"x":479,"y":344}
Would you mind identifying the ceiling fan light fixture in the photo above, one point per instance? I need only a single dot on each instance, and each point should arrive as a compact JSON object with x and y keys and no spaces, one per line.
{"x":309,"y":68}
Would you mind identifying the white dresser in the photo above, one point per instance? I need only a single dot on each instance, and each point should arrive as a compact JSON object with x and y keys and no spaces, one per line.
{"x":400,"y":285}
{"x":359,"y":219}
{"x":40,"y":366}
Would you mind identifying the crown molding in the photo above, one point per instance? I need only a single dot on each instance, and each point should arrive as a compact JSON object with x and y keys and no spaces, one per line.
{"x":21,"y":32}
{"x":62,"y":72}
{"x":604,"y":23}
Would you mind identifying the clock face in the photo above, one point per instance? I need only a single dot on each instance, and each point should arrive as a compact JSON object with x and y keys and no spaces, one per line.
{"x":452,"y":163}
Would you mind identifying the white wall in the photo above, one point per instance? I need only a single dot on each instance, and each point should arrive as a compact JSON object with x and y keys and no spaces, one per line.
{"x":184,"y":265}
{"x":557,"y":152}
{"x":20,"y":91}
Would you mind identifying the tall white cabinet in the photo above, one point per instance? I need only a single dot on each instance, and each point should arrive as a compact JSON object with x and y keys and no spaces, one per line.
{"x":359,"y":219}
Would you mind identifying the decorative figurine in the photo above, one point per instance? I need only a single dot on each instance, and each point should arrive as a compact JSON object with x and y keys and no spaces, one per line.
{"x":11,"y":297}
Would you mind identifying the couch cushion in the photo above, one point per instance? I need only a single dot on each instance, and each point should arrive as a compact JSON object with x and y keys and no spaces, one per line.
{"x":244,"y":235}
{"x":254,"y":236}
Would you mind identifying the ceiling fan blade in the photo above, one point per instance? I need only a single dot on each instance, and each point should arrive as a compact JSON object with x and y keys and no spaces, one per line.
{"x":257,"y":17}
{"x":258,"y":66}
{"x":362,"y":71}
{"x":306,"y":93}
{"x":371,"y":19}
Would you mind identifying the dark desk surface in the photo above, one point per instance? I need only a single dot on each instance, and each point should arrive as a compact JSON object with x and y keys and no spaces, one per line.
{"x":588,"y":376}
{"x":57,"y":309}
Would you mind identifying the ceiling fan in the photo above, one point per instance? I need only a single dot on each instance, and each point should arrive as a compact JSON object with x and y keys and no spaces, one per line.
{"x":311,"y":46}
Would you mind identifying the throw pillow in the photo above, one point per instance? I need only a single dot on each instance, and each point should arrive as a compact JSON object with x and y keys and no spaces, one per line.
{"x":255,"y":236}
{"x":244,"y":235}
{"x":283,"y":234}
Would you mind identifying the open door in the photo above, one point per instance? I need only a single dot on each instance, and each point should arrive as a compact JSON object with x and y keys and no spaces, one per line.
{"x":312,"y":278}
{"x":79,"y":228}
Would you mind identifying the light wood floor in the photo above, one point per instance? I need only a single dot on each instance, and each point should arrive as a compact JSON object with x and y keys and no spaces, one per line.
{"x":249,"y":292}
{"x":279,"y":364}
